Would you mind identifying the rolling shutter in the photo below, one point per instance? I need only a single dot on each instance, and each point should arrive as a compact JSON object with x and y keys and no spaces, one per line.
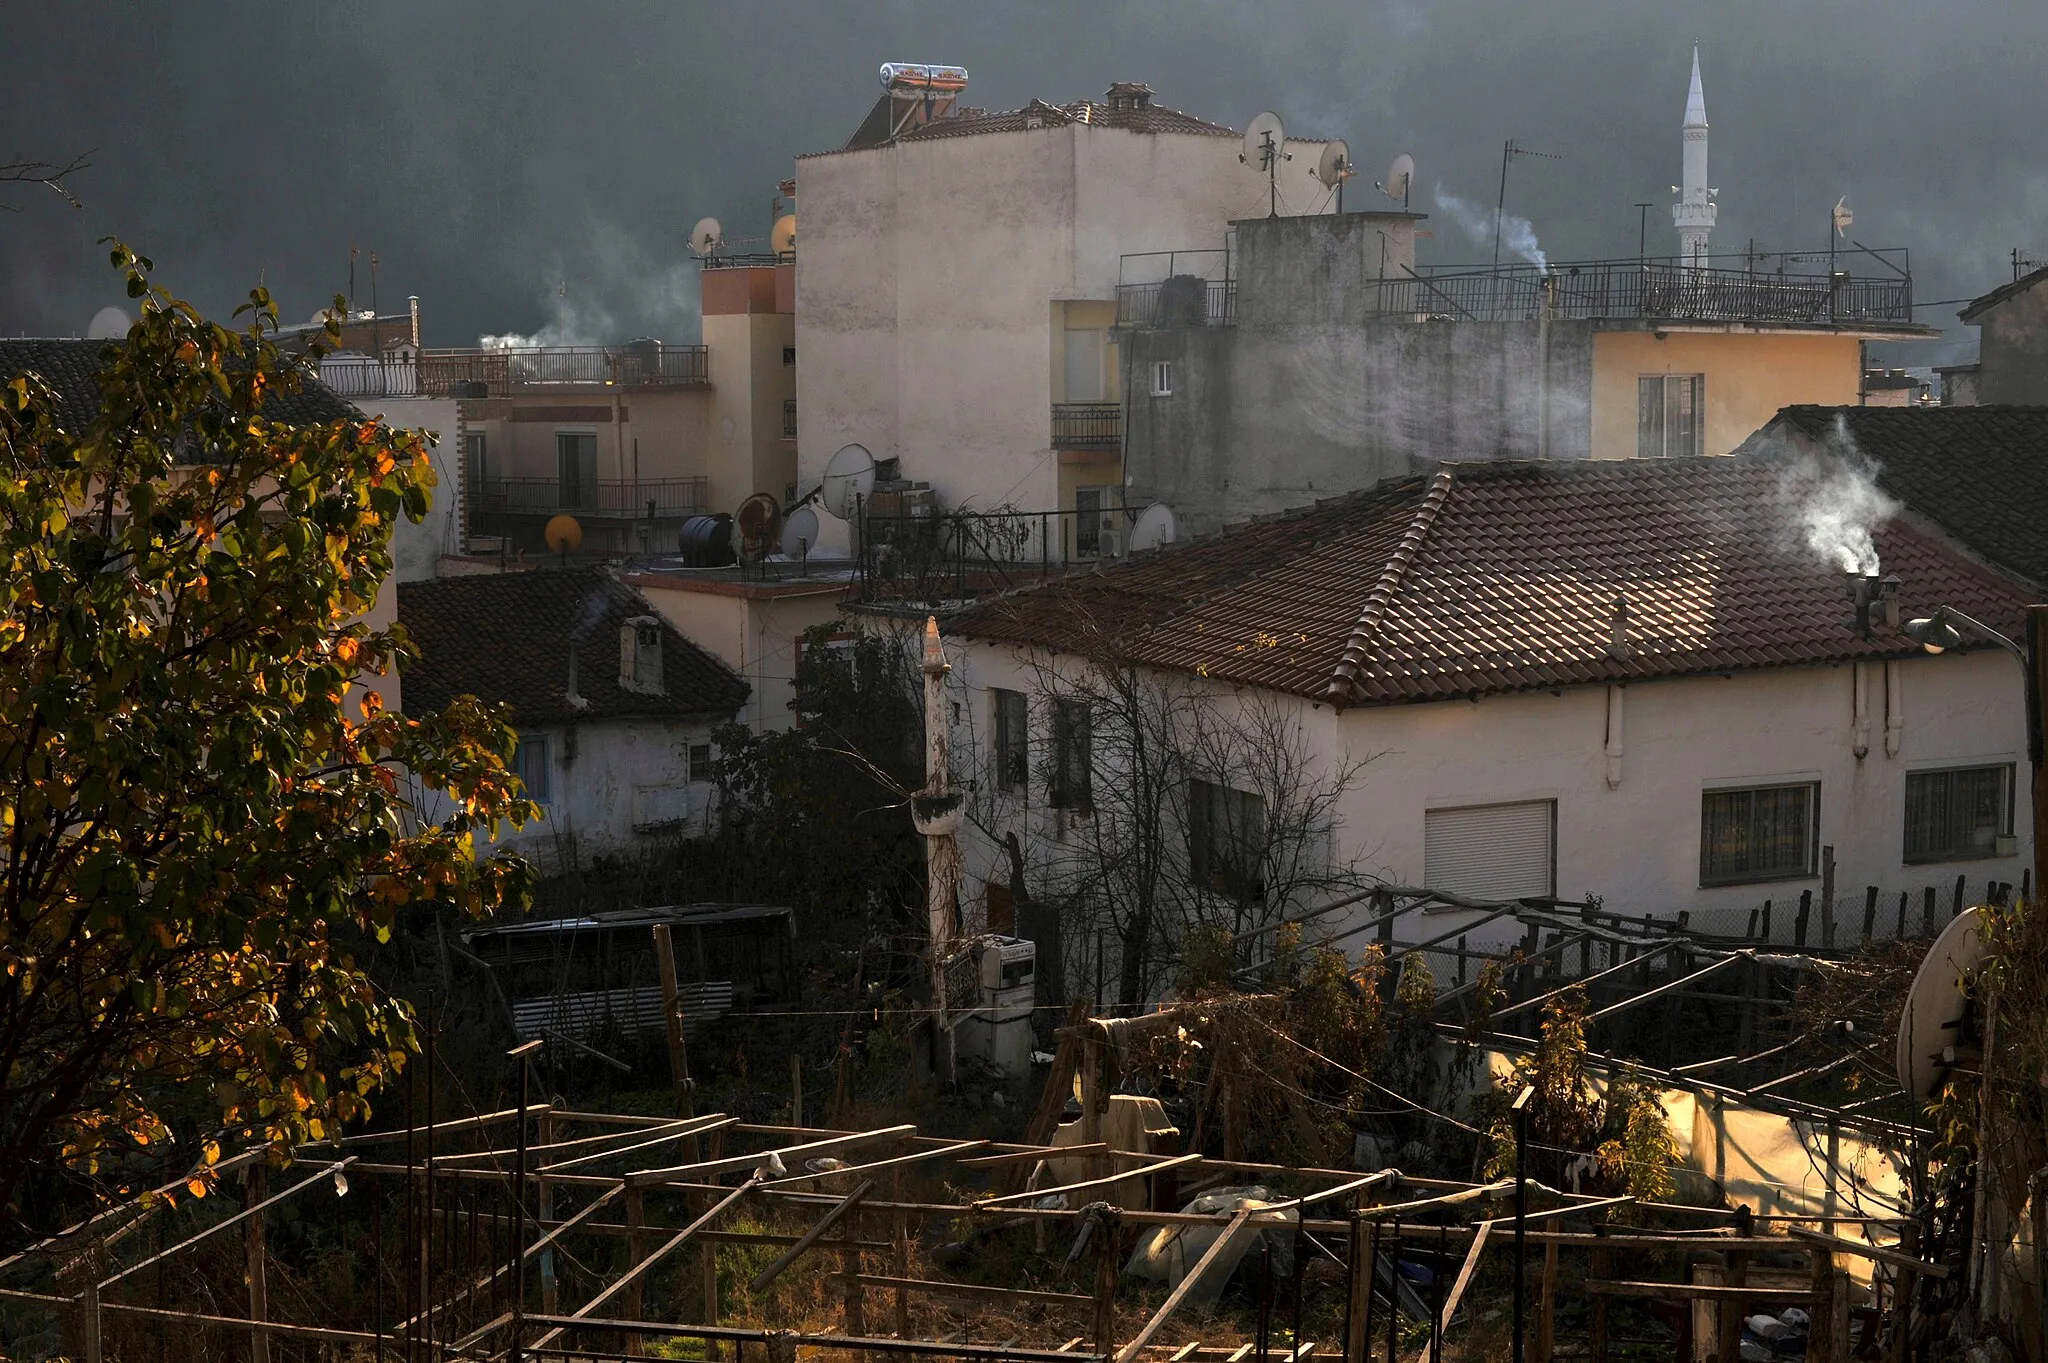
{"x":1491,"y":851}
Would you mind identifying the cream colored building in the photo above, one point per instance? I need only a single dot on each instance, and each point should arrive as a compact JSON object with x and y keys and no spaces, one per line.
{"x":956,"y":284}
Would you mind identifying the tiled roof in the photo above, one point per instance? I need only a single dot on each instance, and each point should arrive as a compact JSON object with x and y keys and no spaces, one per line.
{"x":505,"y":637}
{"x":1980,"y":473}
{"x":1150,"y":118}
{"x":1495,"y":577}
{"x":1998,"y":295}
{"x":72,"y":368}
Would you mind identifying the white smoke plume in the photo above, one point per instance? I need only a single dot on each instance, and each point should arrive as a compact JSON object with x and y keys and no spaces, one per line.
{"x":1832,"y":503}
{"x":1517,"y":234}
{"x":614,"y":292}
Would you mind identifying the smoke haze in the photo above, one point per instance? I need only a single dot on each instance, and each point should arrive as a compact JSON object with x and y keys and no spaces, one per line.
{"x":1833,"y":504}
{"x":524,"y":163}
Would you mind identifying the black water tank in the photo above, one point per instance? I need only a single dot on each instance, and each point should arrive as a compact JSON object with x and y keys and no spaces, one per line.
{"x":707,"y":541}
{"x":1183,"y":302}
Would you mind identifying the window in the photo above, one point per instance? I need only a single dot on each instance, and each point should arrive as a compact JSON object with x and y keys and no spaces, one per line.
{"x":1670,"y":416}
{"x":1764,"y":833}
{"x":1958,"y":814}
{"x":576,"y":468}
{"x":1162,"y":378}
{"x":1090,"y":504}
{"x":789,"y":355}
{"x":1504,"y":851}
{"x":700,"y":766}
{"x":478,"y":466}
{"x":533,"y":769}
{"x":1227,"y":840}
{"x":1087,"y":363}
{"x":1013,"y":743}
{"x":1073,"y":749}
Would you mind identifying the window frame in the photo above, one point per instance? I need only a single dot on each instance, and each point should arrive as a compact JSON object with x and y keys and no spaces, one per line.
{"x":1549,"y":802}
{"x":691,"y":772}
{"x":544,"y":792}
{"x":573,"y":494}
{"x":1663,"y":386}
{"x":2003,"y":828}
{"x":1072,"y":787}
{"x":1010,"y":740}
{"x":1162,"y":378}
{"x":1810,"y":845}
{"x":1236,"y":837}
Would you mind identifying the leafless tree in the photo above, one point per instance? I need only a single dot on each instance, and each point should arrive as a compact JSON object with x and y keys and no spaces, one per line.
{"x":1154,"y":802}
{"x":49,"y":174}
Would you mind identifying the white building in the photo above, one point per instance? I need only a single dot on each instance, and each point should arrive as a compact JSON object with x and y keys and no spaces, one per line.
{"x":614,"y":708}
{"x":956,"y":283}
{"x":1624,"y":680}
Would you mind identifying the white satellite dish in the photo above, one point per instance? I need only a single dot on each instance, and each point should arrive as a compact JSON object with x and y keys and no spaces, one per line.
{"x":108,"y":324}
{"x":849,"y":476}
{"x":707,"y":236}
{"x":782,"y":240}
{"x":1333,"y":168}
{"x":1264,"y":143}
{"x":799,"y":532}
{"x":1154,"y":527}
{"x":1931,"y":1020}
{"x":1400,"y":175}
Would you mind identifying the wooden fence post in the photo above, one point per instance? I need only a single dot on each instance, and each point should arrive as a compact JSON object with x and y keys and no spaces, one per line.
{"x":1821,"y":1344}
{"x":252,"y":1242}
{"x":1827,"y":897}
{"x":1869,"y":913}
{"x":1546,"y":1306}
{"x":1596,"y":1347}
{"x":1105,"y":1282}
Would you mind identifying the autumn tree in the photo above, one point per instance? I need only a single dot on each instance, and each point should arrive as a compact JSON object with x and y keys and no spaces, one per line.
{"x":203,"y":795}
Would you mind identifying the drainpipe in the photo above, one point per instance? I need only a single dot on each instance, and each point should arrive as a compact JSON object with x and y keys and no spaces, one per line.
{"x":1861,"y":690}
{"x":1614,"y":735}
{"x":1894,"y":710}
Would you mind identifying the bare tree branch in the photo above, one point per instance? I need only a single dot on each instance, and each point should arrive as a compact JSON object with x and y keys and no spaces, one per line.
{"x":48,"y":174}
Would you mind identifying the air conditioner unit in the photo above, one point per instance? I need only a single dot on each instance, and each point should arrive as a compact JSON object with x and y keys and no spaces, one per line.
{"x":1110,"y":545}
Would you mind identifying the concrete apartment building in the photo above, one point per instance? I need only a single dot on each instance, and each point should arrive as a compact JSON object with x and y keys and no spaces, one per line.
{"x":2011,"y":368}
{"x":1332,"y":362}
{"x":957,"y":283}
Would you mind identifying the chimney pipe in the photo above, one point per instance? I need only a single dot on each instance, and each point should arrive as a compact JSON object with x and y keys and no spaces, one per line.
{"x":412,"y":304}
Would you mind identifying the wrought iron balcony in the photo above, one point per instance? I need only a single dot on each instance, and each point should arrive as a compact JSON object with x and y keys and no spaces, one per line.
{"x":1649,"y":289}
{"x":1183,"y":301}
{"x":1087,"y":426}
{"x":479,"y":372}
{"x":664,"y":498}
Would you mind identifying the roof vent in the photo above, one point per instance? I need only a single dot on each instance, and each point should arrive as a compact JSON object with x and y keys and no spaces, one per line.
{"x":1617,"y":639}
{"x":1128,"y":96}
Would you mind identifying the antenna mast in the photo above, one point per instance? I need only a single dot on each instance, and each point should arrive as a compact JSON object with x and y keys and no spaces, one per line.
{"x":1508,"y":152}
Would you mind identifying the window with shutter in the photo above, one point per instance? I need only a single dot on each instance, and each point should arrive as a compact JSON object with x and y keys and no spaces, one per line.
{"x":1073,"y":747}
{"x":1012,"y":746}
{"x":1504,"y":851}
{"x":1759,"y":833}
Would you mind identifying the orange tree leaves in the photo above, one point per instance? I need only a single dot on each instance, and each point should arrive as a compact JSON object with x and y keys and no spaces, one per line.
{"x":190,"y":811}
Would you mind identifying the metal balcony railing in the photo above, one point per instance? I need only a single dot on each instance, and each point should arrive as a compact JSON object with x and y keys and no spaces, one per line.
{"x":478,"y":372}
{"x":667,"y":497}
{"x":1183,"y":301}
{"x":1087,"y":426}
{"x":789,"y":418}
{"x":1668,"y":289}
{"x":957,"y":556}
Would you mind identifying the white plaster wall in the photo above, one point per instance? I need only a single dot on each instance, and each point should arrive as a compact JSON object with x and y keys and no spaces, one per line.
{"x":597,"y":768}
{"x":754,"y":636}
{"x":417,"y":549}
{"x":1636,"y":845}
{"x":927,"y":274}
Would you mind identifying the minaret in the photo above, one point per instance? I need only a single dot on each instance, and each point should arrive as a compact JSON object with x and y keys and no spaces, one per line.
{"x":937,"y":812}
{"x":1693,"y":214}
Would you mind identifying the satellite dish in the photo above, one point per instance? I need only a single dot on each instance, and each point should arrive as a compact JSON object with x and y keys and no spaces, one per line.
{"x":1264,"y":141}
{"x":1154,"y":527}
{"x":108,"y":324}
{"x":1400,"y":175}
{"x":1932,"y":1017}
{"x":759,"y":520}
{"x":564,"y":534}
{"x":1334,"y":166}
{"x":707,"y":236}
{"x":849,"y":475}
{"x":799,"y":532}
{"x":782,"y":240}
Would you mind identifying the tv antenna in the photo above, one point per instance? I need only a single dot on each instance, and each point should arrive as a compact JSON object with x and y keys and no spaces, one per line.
{"x":1334,"y":167}
{"x":1265,"y":147}
{"x":1511,"y":150}
{"x":1400,"y":179}
{"x":707,"y":236}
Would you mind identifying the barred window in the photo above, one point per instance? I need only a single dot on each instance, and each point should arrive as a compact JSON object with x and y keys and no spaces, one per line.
{"x":1073,"y":748}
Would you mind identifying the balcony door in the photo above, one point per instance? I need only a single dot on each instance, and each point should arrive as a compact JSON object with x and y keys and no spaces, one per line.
{"x":576,"y":469}
{"x":1087,"y":364}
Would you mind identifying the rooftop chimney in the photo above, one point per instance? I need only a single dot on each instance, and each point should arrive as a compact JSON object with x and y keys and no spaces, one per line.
{"x":640,"y":656}
{"x":1128,"y":96}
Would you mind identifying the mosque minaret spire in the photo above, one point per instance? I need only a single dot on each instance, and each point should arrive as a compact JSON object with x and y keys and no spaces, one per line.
{"x":1693,"y":214}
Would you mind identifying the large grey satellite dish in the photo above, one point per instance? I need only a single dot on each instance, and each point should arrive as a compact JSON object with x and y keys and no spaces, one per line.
{"x":1333,"y":168}
{"x":707,"y":236}
{"x":1930,"y":1021}
{"x":108,"y":324}
{"x":799,"y":532}
{"x":1153,"y":528}
{"x":1400,"y":175}
{"x":849,"y":476}
{"x":1265,"y":142}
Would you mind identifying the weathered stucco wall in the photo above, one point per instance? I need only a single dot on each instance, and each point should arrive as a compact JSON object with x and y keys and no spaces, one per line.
{"x":755,"y":635}
{"x":609,"y":782}
{"x":2013,"y":349}
{"x":416,"y":549}
{"x":1272,"y":416}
